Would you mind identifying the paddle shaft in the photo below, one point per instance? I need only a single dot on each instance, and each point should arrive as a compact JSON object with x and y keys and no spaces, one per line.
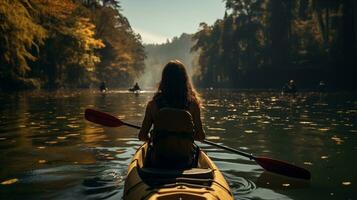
{"x":268,"y":164}
{"x":250,"y":156}
{"x":131,"y":125}
{"x":272,"y":165}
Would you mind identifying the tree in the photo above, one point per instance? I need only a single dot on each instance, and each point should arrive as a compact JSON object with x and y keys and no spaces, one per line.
{"x":66,"y":43}
{"x":123,"y":57}
{"x":68,"y":57}
{"x":20,"y":39}
{"x":277,"y":39}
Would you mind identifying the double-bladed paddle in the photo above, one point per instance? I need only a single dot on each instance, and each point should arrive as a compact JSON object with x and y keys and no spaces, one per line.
{"x":268,"y":164}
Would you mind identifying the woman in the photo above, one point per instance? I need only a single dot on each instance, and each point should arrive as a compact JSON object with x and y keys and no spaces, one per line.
{"x":175,"y":92}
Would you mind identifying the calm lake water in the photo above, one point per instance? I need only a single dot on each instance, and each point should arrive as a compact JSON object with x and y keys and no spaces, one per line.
{"x":48,"y":150}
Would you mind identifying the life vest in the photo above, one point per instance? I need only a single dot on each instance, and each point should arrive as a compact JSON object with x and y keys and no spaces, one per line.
{"x":172,"y":139}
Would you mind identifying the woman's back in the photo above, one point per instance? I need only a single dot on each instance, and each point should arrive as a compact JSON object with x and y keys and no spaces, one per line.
{"x":193,"y":108}
{"x":172,"y":139}
{"x":175,"y":94}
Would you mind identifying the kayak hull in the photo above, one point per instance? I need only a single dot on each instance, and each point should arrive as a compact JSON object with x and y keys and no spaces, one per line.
{"x":203,"y":183}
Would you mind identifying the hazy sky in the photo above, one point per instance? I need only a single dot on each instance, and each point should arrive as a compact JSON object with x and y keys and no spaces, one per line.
{"x":157,"y":20}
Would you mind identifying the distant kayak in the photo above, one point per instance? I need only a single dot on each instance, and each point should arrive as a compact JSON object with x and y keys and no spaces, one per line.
{"x":102,"y":87}
{"x":134,"y":90}
{"x":204,"y":182}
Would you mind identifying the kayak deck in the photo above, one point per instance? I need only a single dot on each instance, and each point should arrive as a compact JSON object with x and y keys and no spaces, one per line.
{"x":205,"y":182}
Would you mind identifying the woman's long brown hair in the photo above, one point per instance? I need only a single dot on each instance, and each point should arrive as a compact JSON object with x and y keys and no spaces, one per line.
{"x":175,"y":86}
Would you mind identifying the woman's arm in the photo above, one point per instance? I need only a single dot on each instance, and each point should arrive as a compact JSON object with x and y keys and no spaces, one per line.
{"x":196,"y":115}
{"x":146,"y":125}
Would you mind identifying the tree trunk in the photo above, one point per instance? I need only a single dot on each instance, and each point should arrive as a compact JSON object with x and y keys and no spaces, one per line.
{"x":354,"y":12}
{"x":278,"y":33}
{"x":349,"y":35}
{"x":303,"y":9}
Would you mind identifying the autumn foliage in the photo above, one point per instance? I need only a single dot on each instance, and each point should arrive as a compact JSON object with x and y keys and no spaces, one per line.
{"x":66,"y":44}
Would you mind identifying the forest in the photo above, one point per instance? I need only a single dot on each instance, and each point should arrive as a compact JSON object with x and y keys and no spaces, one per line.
{"x":258,"y":44}
{"x":67,"y":44}
{"x":264,"y":43}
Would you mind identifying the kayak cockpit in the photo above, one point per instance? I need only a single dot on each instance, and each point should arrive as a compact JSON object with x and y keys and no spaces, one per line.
{"x":156,"y":177}
{"x":166,"y":173}
{"x":205,"y":182}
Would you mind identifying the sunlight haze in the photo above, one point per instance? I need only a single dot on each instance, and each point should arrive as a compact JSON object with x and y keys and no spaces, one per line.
{"x":159,"y":20}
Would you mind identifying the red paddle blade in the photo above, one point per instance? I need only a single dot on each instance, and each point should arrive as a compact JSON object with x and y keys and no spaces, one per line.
{"x":283,"y":168}
{"x":102,"y":118}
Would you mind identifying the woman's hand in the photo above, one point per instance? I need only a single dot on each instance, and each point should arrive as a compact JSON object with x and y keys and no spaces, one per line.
{"x":143,"y":137}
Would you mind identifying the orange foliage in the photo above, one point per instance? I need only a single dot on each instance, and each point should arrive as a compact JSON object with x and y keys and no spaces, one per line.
{"x":59,"y":9}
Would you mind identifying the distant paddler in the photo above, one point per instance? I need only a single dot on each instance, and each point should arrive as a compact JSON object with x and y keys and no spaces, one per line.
{"x":321,"y":87}
{"x":135,"y":88}
{"x":289,"y":88}
{"x":102,"y":87}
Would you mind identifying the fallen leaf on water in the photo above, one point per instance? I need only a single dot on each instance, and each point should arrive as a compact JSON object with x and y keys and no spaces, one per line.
{"x":248,"y":131}
{"x":72,"y":126}
{"x":304,"y":122}
{"x":337,"y":139}
{"x":213,"y":137}
{"x":42,"y":161}
{"x":51,"y":142}
{"x":72,"y":134}
{"x":120,"y":151}
{"x":346,"y":183}
{"x":216,"y":129}
{"x":10,"y":181}
{"x":61,"y":117}
{"x":125,"y":139}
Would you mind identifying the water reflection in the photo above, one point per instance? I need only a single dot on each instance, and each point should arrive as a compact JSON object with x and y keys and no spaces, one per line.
{"x":52,"y":152}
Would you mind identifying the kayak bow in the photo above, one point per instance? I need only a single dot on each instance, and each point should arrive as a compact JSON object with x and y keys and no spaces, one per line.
{"x":202,"y":183}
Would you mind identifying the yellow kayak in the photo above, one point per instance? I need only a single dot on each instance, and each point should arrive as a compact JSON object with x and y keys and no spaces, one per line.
{"x":205,"y":182}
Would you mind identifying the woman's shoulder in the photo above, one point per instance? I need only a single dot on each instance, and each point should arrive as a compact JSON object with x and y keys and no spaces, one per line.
{"x":151,"y":103}
{"x":194,"y":105}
